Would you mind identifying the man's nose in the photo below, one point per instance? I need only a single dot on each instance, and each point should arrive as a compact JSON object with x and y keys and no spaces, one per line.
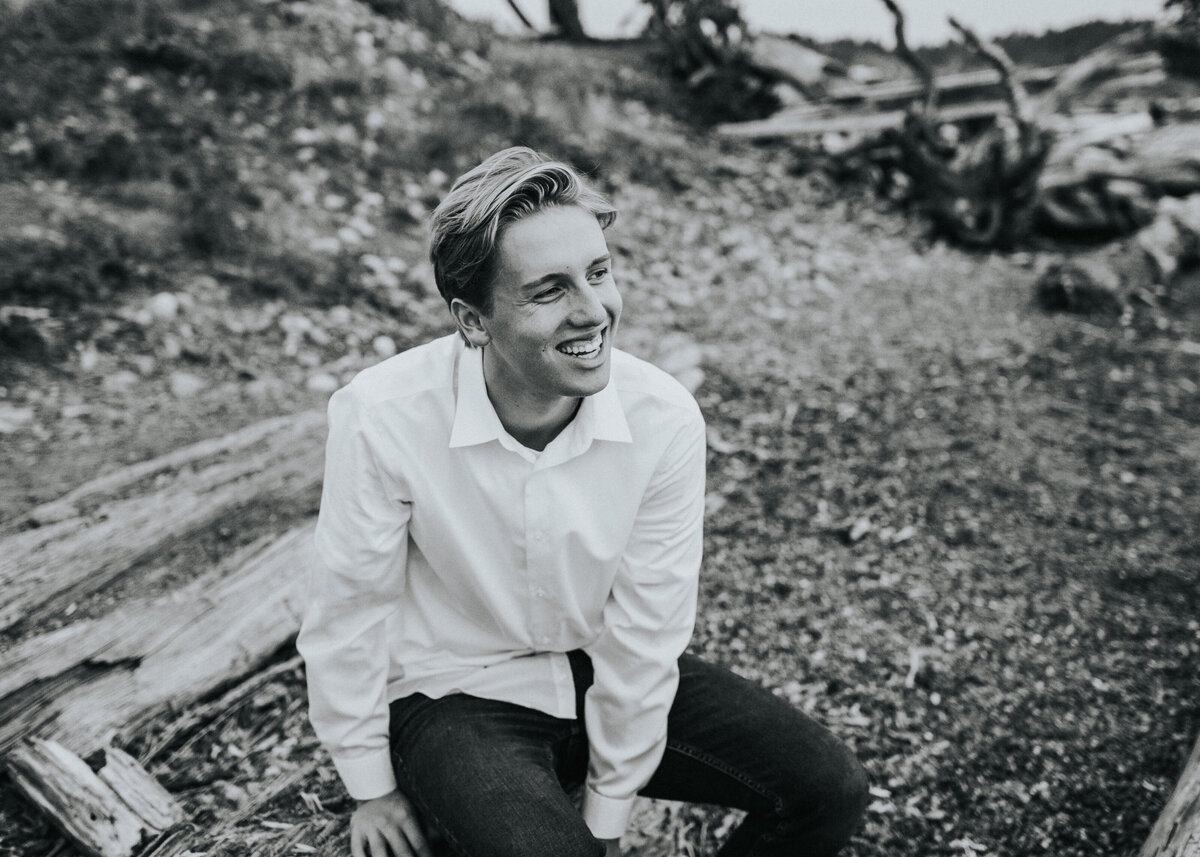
{"x":587,"y":309}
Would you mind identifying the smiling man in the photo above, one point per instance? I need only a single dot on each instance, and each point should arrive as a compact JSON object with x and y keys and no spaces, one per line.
{"x":506,"y":570}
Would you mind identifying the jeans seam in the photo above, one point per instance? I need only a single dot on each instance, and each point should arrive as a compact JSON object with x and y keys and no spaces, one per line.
{"x":724,"y":767}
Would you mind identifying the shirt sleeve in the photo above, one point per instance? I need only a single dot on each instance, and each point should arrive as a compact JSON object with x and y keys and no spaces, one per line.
{"x":357,"y":578}
{"x":648,"y":621}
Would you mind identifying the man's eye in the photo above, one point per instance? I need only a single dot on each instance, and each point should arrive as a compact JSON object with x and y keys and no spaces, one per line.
{"x":548,"y":294}
{"x":598,"y":274}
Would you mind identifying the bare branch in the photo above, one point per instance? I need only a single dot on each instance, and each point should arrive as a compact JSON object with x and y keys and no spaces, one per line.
{"x":1014,"y":92}
{"x":914,"y":62}
{"x":513,"y":5}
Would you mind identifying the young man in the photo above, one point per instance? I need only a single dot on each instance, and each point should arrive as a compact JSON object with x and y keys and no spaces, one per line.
{"x":506,"y":569}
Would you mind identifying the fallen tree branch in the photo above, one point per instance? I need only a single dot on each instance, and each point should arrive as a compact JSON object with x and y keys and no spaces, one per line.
{"x":512,"y":4}
{"x":1018,"y":101}
{"x":919,"y":67}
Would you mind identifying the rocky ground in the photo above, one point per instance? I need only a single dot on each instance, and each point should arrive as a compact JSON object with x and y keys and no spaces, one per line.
{"x":960,"y":531}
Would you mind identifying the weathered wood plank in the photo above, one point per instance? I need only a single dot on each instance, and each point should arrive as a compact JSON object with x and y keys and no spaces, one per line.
{"x":801,"y":123}
{"x":139,"y":791}
{"x":105,"y":534}
{"x":79,"y":803}
{"x":82,"y":683}
{"x":104,"y":488}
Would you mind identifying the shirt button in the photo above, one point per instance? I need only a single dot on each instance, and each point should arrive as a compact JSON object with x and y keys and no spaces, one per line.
{"x":541,"y":593}
{"x":537,"y":537}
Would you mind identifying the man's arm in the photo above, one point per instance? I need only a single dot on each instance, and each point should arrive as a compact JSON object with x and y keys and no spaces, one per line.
{"x":648,"y":622}
{"x":357,"y":578}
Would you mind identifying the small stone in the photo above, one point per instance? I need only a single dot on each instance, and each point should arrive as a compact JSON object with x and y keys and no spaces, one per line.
{"x":89,"y":358}
{"x":295,"y":324}
{"x":340,"y":315}
{"x":322,"y":382}
{"x":318,"y":335}
{"x":120,"y":381}
{"x":384,"y":346}
{"x":349,"y":236}
{"x":13,"y":418}
{"x":185,"y":384}
{"x":363,"y":226}
{"x":325,"y":244}
{"x":164,"y":306}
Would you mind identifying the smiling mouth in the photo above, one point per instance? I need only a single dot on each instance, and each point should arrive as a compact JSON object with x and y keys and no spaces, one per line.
{"x":584,"y":349}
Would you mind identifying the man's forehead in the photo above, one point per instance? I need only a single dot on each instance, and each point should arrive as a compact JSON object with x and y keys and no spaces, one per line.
{"x":559,"y":237}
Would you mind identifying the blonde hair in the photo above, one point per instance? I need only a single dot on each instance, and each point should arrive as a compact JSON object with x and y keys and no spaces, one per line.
{"x":469,"y":222}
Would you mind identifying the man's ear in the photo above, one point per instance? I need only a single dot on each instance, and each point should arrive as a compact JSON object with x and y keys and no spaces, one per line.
{"x":470,"y":323}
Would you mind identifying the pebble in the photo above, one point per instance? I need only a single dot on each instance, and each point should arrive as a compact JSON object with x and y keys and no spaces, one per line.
{"x":120,"y":381}
{"x":322,"y":382}
{"x":13,"y":418}
{"x":325,"y":244}
{"x":185,"y":384}
{"x":89,"y":358}
{"x":164,"y":306}
{"x":384,"y":346}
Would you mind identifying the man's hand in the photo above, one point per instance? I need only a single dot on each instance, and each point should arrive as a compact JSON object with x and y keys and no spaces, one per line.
{"x":612,"y":847}
{"x":387,"y":822}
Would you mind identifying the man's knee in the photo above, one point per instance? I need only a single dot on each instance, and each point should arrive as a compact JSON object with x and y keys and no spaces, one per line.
{"x":830,"y":809}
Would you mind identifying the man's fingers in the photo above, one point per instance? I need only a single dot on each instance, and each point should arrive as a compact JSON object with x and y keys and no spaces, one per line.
{"x":356,"y":844}
{"x":378,"y":848}
{"x":415,"y":837}
{"x":396,"y":840}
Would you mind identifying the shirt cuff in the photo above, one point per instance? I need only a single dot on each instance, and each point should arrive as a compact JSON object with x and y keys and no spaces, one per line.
{"x":368,"y":776}
{"x":606,"y":817}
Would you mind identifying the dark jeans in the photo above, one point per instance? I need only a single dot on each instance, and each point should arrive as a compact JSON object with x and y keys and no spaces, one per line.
{"x":492,"y":777}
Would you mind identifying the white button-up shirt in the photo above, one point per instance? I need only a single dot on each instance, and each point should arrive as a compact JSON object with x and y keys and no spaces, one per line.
{"x":451,"y":559}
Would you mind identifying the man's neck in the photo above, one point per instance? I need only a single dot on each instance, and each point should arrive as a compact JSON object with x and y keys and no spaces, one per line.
{"x":532,"y":428}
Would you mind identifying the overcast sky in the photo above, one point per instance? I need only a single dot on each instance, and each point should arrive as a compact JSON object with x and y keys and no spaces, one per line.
{"x":862,"y":19}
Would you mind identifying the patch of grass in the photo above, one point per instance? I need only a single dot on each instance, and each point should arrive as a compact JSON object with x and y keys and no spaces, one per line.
{"x":214,"y":204}
{"x":94,"y":262}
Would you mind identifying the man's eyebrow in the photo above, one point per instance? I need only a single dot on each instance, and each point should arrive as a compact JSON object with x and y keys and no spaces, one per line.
{"x":554,"y":275}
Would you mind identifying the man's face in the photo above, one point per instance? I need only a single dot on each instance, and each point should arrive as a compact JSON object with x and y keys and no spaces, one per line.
{"x":554,"y":311}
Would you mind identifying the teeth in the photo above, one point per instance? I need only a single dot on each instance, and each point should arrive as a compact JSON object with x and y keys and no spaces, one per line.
{"x":582,"y":347}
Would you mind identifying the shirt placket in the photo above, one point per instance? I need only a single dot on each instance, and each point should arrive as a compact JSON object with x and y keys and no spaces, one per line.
{"x":542,"y":626}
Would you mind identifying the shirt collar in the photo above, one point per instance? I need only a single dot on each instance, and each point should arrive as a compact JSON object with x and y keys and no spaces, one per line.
{"x":600,"y":417}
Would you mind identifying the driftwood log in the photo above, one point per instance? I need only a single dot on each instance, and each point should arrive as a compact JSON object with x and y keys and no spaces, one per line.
{"x":70,"y":686}
{"x":82,"y":683}
{"x":1144,"y":268}
{"x":108,"y":813}
{"x":104,"y":529}
{"x":981,"y":193}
